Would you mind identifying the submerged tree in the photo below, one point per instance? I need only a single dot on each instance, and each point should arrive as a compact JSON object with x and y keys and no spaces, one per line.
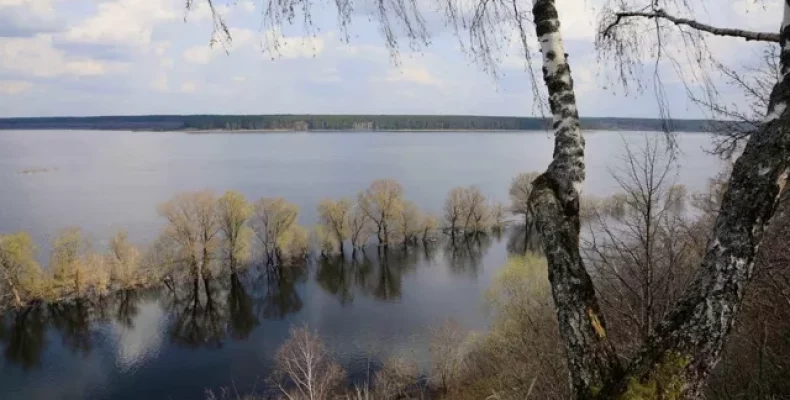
{"x":272,"y":220}
{"x":194,"y":226}
{"x":382,"y":201}
{"x":334,"y":215}
{"x":124,"y":261}
{"x":234,"y":210}
{"x":19,"y":271}
{"x":520,"y":190}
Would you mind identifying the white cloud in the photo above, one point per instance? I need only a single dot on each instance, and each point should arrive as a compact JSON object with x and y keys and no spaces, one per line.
{"x":189,"y":87}
{"x":239,"y":79}
{"x":412,"y":74}
{"x":14,"y":87}
{"x":125,"y":22}
{"x":41,"y":7}
{"x":35,"y":56}
{"x":247,"y":6}
{"x":199,"y":54}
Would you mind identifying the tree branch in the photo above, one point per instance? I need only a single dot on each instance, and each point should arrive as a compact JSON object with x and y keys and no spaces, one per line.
{"x":661,"y":14}
{"x":687,"y":344}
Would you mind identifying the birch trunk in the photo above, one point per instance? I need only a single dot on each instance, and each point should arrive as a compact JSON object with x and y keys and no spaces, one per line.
{"x":684,"y":348}
{"x":554,"y":203}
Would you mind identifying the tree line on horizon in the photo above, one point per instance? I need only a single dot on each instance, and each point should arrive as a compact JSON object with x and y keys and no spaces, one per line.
{"x":308,"y":122}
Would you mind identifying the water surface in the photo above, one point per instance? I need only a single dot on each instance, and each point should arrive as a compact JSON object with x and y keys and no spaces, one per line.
{"x":160,"y":345}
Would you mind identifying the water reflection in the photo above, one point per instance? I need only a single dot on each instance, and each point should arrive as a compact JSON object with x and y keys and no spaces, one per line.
{"x":206,"y":313}
{"x":523,"y":239}
{"x":240,"y":307}
{"x":467,"y":253}
{"x":25,"y":337}
{"x":73,"y":321}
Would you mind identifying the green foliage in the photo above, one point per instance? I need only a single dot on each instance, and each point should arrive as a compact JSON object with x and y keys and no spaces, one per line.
{"x":20,"y":274}
{"x":666,"y":382}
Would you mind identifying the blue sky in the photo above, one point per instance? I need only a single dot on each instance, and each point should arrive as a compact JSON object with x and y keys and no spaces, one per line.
{"x":121,"y":57}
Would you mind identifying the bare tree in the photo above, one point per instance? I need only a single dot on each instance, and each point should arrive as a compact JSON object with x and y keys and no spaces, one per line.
{"x":409,"y":221}
{"x":454,"y":211}
{"x":429,"y":228}
{"x":638,"y":249}
{"x":381,"y":202}
{"x":304,"y":368}
{"x":520,"y":190}
{"x":124,"y":261}
{"x":193,"y":224}
{"x":272,"y":218}
{"x":234,"y":210}
{"x":334,"y":215}
{"x":476,"y":218}
{"x":359,"y":228}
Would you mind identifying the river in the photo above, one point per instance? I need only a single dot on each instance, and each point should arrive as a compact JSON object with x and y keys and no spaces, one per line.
{"x":149,"y":345}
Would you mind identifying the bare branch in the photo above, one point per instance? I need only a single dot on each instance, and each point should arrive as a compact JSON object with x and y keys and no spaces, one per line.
{"x":661,"y":14}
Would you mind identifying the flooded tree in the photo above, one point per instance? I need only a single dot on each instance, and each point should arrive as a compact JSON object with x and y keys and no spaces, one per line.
{"x":326,"y":240}
{"x":20,"y":274}
{"x":429,"y":229}
{"x":335,"y":216}
{"x":409,"y":221}
{"x":272,"y":221}
{"x":124,"y":261}
{"x":294,"y":245}
{"x":359,"y":228}
{"x":381,"y":202}
{"x":520,"y":190}
{"x":476,"y":218}
{"x":194,"y":226}
{"x":498,"y":213}
{"x":234,"y":210}
{"x":454,"y":211}
{"x":77,"y":270}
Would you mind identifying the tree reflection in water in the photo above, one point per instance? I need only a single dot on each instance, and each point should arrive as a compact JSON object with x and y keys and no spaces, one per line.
{"x":24,"y":336}
{"x":205,"y":313}
{"x":73,"y":321}
{"x":240,"y":308}
{"x":523,"y":239}
{"x":196,"y":320}
{"x":465,"y":254}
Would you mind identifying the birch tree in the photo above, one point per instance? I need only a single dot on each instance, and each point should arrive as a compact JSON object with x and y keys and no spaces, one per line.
{"x":677,"y":357}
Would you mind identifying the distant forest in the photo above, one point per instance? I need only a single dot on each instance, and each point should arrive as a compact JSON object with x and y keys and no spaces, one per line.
{"x":336,"y":122}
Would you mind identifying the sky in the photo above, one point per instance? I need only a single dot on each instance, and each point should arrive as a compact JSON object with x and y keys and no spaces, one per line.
{"x":132,"y":57}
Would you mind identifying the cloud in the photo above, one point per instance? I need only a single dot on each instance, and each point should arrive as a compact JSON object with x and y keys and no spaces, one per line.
{"x":23,"y":19}
{"x":37,"y":57}
{"x":199,"y":54}
{"x":189,"y":87}
{"x":14,"y":87}
{"x":123,"y":22}
{"x":412,"y":74}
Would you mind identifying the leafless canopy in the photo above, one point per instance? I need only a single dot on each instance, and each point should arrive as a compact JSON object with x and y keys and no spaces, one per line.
{"x":640,"y":42}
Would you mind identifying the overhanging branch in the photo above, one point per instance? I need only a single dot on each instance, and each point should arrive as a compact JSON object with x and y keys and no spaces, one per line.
{"x":661,"y":14}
